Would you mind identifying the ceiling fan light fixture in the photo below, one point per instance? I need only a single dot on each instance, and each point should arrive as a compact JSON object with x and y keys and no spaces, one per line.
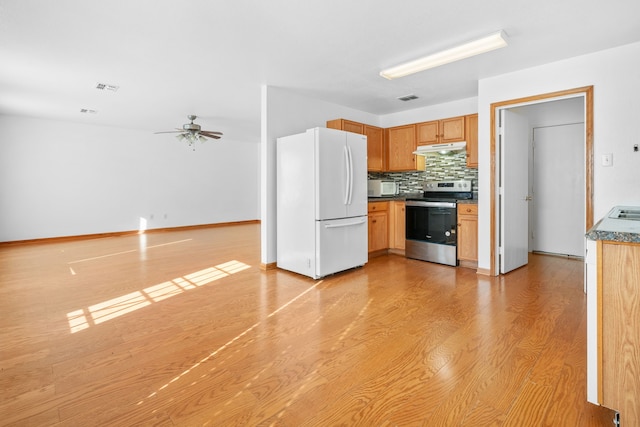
{"x":192,"y":132}
{"x":479,"y":46}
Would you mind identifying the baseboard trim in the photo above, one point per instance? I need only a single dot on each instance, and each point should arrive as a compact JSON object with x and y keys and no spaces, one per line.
{"x":483,"y":271}
{"x":268,"y":266}
{"x":124,"y":233}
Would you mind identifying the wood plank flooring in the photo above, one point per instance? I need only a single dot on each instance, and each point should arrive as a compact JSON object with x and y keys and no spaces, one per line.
{"x":184,"y":329}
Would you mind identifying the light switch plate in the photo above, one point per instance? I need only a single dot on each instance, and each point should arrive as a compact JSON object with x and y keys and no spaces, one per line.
{"x":607,"y":159}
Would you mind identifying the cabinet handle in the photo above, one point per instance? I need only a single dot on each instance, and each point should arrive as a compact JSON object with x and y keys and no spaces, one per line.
{"x":374,"y":221}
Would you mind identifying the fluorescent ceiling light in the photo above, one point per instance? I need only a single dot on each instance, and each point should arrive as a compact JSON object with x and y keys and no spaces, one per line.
{"x":476,"y":47}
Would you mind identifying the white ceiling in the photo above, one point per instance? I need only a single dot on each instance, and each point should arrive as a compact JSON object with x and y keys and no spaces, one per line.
{"x":171,"y":58}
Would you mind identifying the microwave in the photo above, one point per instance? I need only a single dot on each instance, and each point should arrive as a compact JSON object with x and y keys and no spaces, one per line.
{"x":381,"y":188}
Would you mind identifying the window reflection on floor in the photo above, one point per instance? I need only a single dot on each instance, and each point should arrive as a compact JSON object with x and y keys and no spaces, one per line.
{"x":98,"y":313}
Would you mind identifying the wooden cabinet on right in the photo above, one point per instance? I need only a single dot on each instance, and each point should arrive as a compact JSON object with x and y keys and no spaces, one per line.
{"x":471,"y":132}
{"x":468,"y":235}
{"x":613,"y":328}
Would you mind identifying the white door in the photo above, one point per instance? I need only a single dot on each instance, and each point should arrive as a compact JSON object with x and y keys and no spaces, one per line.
{"x":514,"y":182}
{"x":558,"y":190}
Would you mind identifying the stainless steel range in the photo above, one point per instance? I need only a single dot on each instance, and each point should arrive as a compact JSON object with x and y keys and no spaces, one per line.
{"x":431,"y":226}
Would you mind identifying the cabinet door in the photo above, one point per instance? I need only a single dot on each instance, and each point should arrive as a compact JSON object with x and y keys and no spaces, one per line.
{"x":472,"y":140}
{"x":427,"y":133}
{"x":354,"y":127}
{"x":375,"y":148}
{"x":398,"y":236}
{"x":377,"y":231}
{"x":401,"y":145}
{"x":452,"y":130}
{"x":618,"y":278}
{"x":468,"y":232}
{"x":348,"y":125}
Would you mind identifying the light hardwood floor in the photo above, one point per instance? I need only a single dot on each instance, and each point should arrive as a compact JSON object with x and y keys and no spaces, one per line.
{"x":183,"y":328}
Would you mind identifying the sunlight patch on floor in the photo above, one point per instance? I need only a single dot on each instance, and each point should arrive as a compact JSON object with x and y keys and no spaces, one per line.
{"x":82,"y":319}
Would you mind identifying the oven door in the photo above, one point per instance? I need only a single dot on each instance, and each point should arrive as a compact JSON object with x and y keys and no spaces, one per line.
{"x":432,"y":222}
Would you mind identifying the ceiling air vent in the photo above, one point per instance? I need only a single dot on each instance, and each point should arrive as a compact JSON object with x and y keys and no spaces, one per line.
{"x":407,"y":97}
{"x":104,"y":86}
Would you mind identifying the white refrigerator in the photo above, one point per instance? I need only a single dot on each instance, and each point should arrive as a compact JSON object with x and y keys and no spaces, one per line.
{"x":321,"y":202}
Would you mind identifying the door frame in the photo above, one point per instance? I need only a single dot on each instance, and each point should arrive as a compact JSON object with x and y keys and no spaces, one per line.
{"x":587,"y":92}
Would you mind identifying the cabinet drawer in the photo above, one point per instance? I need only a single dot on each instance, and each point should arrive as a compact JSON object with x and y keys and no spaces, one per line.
{"x":378,"y":206}
{"x":467,"y":209}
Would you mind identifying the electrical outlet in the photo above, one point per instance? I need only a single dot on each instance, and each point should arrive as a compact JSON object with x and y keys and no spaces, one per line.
{"x":635,"y":148}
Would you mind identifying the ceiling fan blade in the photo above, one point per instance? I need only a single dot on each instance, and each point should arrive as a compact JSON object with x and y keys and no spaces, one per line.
{"x":211,"y":132}
{"x":171,"y":131}
{"x":213,"y":135}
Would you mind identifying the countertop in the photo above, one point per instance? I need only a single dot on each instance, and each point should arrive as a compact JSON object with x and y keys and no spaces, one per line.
{"x":614,"y":229}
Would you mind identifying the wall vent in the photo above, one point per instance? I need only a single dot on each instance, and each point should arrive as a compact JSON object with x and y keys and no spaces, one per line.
{"x":88,"y":111}
{"x":104,"y":86}
{"x":407,"y":97}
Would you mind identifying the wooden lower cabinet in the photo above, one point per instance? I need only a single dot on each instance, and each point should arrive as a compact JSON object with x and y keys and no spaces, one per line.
{"x":397,"y":221}
{"x":615,"y":316}
{"x":378,"y":226}
{"x":468,"y":235}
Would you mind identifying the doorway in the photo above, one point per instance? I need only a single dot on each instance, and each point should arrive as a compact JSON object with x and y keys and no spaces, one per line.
{"x":505,"y":243}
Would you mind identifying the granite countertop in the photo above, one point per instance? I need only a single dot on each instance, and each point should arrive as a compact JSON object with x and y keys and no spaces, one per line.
{"x":617,"y":229}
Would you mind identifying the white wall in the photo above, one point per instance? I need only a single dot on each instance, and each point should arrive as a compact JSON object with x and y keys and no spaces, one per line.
{"x":616,"y":111}
{"x":63,"y":179}
{"x":286,"y":113}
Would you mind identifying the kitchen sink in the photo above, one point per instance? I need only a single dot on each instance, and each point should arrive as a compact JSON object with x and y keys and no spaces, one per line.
{"x":626,"y":213}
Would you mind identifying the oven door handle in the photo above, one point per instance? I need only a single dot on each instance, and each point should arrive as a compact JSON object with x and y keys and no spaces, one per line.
{"x":430,"y":204}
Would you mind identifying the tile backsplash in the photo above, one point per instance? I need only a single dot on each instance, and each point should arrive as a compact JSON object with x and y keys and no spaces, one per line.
{"x":439,"y":168}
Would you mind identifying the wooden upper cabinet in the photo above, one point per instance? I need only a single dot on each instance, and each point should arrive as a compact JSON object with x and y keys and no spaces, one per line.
{"x":472,"y":140}
{"x":441,"y":131}
{"x":401,"y":143}
{"x":452,"y":130}
{"x":375,"y":148}
{"x":427,"y":133}
{"x":348,"y":125}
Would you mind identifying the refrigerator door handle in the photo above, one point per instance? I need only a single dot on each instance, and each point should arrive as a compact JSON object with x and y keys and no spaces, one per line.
{"x":346,"y":224}
{"x":350,"y":174}
{"x":347,"y":176}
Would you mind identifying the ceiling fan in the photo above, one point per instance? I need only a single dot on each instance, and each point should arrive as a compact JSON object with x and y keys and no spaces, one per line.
{"x":192,"y":132}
